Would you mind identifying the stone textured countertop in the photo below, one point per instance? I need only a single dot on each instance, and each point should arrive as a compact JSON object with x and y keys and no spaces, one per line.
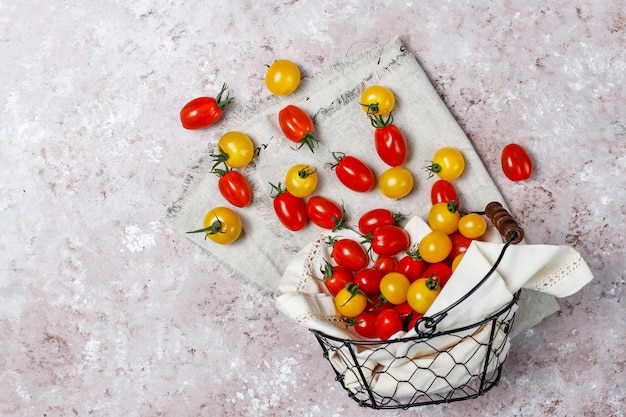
{"x":105,"y":311}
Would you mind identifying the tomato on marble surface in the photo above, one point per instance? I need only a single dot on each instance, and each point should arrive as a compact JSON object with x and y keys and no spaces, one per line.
{"x":396,"y":182}
{"x":222,"y":225}
{"x":377,"y":100}
{"x":234,"y":187}
{"x":236,"y":149}
{"x":290,"y":210}
{"x":282,"y":77}
{"x":203,"y":112}
{"x":301,"y":180}
{"x":325,"y":213}
{"x":349,"y":253}
{"x":298,"y":127}
{"x":448,"y":163}
{"x":516,"y":163}
{"x":389,"y":141}
{"x":352,"y":172}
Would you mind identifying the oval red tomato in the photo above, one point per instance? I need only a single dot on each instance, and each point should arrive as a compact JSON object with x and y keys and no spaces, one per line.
{"x":234,"y":187}
{"x":443,"y":191}
{"x":204,"y":111}
{"x":365,"y":324}
{"x":368,"y":280}
{"x":388,"y":323}
{"x":385,"y":264}
{"x":297,"y":126}
{"x":516,"y":163}
{"x":349,"y":253}
{"x":390,"y":142}
{"x":375,"y":218}
{"x":460,"y":244}
{"x":389,"y":240}
{"x":336,"y":277}
{"x":325,"y":213}
{"x":290,"y":210}
{"x":353,"y":173}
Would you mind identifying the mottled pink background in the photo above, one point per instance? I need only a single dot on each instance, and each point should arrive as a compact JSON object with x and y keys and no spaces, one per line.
{"x":104,"y":311}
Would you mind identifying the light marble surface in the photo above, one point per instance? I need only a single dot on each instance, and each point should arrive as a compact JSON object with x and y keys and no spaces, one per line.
{"x":104,"y":311}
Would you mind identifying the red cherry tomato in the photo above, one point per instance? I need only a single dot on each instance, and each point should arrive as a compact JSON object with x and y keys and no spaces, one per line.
{"x":443,"y":191}
{"x":325,"y":213}
{"x":336,"y":277}
{"x":353,"y":173}
{"x":414,"y":318}
{"x":204,"y":111}
{"x":290,"y":210}
{"x":389,"y":240}
{"x":378,"y":303}
{"x":349,"y":253}
{"x":368,"y":280}
{"x":385,"y":264}
{"x":297,"y":126}
{"x":440,"y":271}
{"x":388,"y":323}
{"x":516,"y":163}
{"x":365,"y":325}
{"x":404,"y":310}
{"x":389,"y":141}
{"x":460,"y":244}
{"x":234,"y":187}
{"x":375,"y":218}
{"x":411,"y":265}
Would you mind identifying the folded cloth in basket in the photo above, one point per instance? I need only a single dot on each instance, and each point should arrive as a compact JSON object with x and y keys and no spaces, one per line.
{"x":556,"y":270}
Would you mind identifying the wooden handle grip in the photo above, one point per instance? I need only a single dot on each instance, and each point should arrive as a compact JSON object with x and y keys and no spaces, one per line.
{"x":504,"y":222}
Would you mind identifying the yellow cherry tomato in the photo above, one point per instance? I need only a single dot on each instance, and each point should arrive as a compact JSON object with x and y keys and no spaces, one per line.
{"x":350,"y":302}
{"x":377,"y":101}
{"x":222,"y":225}
{"x":236,"y":149}
{"x":422,"y":293}
{"x":396,"y":182}
{"x":282,"y":77}
{"x":457,"y":261}
{"x":444,"y":216}
{"x":472,"y":225}
{"x":301,"y":180}
{"x":394,"y":286}
{"x":435,"y":247}
{"x":448,"y":163}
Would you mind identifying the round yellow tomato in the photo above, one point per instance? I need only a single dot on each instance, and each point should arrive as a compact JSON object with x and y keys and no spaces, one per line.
{"x":444,"y":216}
{"x":282,"y":77}
{"x":422,"y":294}
{"x":222,"y":225}
{"x":448,"y":163}
{"x":377,"y":101}
{"x":396,"y":182}
{"x":350,"y":302}
{"x":236,"y":149}
{"x":472,"y":225}
{"x":435,"y":247}
{"x":301,"y":180}
{"x":457,"y":261}
{"x":394,"y":287}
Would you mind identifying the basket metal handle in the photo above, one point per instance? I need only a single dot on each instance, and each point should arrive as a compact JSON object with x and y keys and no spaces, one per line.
{"x":512,"y":233}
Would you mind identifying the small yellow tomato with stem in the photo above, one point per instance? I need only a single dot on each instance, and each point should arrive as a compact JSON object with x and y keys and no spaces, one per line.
{"x":222,"y":225}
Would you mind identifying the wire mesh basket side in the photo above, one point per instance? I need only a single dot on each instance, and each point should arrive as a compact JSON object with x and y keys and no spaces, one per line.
{"x":463,"y":364}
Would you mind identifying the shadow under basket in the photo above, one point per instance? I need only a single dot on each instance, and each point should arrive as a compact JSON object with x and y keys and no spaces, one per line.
{"x":431,"y":367}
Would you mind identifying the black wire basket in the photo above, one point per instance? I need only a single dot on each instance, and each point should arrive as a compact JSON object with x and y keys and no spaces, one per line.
{"x":460,"y":364}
